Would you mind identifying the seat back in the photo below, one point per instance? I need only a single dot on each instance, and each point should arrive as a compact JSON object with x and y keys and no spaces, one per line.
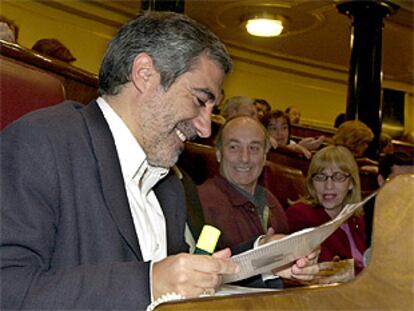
{"x":286,"y":183}
{"x":199,"y":161}
{"x":288,"y":157}
{"x":24,"y":89}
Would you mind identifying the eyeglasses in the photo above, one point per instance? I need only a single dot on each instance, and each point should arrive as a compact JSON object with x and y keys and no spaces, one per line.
{"x":336,"y":177}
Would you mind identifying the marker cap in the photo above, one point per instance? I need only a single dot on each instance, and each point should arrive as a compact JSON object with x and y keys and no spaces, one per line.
{"x":208,"y":238}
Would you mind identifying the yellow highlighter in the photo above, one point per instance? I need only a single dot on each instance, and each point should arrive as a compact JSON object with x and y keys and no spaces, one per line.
{"x":207,"y":241}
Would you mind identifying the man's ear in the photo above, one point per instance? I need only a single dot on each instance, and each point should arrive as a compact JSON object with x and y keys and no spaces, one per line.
{"x":380,"y":180}
{"x":218,"y":155}
{"x":142,"y":71}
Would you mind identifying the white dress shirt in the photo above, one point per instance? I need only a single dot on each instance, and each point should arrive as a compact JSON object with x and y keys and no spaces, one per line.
{"x":139,"y":178}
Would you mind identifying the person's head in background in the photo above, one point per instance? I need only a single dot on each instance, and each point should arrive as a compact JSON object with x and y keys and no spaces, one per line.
{"x":340,"y":118}
{"x":386,"y":146}
{"x":408,"y":137}
{"x":262,"y":106}
{"x":241,"y":147}
{"x":333,"y":179}
{"x":394,"y":164}
{"x":8,"y":30}
{"x":355,"y":135}
{"x":277,"y":124}
{"x":239,"y":105}
{"x":293,"y":113}
{"x":53,"y":48}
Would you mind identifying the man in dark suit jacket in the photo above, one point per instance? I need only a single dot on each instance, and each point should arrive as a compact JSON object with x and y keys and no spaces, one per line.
{"x":72,"y":232}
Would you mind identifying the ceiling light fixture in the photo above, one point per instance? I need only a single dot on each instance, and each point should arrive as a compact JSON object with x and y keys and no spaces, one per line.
{"x":264,"y":26}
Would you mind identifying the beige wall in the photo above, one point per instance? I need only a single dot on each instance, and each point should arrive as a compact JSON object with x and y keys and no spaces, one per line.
{"x":86,"y":39}
{"x":319,"y":92}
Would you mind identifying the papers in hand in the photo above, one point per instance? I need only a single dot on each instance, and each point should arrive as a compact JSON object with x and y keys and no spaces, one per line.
{"x":277,"y":254}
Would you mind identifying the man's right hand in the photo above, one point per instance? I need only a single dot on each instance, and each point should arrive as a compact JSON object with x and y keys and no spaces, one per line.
{"x":191,"y":275}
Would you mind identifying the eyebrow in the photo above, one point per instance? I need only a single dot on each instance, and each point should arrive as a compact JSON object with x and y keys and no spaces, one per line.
{"x":236,"y":140}
{"x":206,"y":92}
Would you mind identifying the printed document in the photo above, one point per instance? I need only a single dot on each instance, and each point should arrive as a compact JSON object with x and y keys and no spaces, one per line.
{"x":279,"y":253}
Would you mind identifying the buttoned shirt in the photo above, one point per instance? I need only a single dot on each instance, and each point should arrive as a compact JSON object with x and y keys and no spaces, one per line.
{"x":139,"y":178}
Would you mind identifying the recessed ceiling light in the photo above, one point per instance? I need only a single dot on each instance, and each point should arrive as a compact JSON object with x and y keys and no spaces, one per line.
{"x":264,"y":26}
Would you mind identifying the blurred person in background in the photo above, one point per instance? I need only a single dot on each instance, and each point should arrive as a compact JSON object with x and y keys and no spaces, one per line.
{"x":8,"y":30}
{"x":262,"y":106}
{"x":54,"y":48}
{"x":355,"y":135}
{"x":293,"y":113}
{"x":239,"y":105}
{"x":277,"y":124}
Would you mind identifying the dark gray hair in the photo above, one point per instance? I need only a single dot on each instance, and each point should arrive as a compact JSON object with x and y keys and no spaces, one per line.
{"x":173,"y":41}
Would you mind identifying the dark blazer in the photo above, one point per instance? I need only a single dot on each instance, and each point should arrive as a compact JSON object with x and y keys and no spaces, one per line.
{"x":67,"y":235}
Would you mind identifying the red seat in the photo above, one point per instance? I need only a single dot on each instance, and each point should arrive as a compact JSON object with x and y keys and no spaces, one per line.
{"x":286,"y":183}
{"x":24,"y":89}
{"x":199,"y":161}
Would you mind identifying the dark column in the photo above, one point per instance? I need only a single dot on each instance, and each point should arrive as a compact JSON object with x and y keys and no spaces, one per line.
{"x":163,"y":5}
{"x":364,"y":84}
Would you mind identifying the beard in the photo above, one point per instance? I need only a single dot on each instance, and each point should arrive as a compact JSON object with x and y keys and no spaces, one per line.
{"x":167,"y":149}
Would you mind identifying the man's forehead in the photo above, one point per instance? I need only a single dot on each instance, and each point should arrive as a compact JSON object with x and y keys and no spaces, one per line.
{"x":243,"y":129}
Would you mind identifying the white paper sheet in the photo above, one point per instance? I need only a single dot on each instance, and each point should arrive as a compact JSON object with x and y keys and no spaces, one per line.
{"x":279,"y":253}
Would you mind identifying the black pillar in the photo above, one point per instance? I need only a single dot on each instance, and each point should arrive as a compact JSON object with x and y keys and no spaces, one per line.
{"x":163,"y":5}
{"x":364,"y":84}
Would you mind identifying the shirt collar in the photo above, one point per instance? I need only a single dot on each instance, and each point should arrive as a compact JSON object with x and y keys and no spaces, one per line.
{"x":132,"y":157}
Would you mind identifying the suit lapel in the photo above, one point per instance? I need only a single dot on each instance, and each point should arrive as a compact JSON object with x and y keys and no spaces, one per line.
{"x":170,"y":195}
{"x":110,"y":174}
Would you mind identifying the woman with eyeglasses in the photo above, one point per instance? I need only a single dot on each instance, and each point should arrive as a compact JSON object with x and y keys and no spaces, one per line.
{"x":332,"y":182}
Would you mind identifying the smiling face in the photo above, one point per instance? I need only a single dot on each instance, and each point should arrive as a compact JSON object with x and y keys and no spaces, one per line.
{"x":278,"y":128}
{"x":163,"y":120}
{"x":331,"y":194}
{"x":243,"y":152}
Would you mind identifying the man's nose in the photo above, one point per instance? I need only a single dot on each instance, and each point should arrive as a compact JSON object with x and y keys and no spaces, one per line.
{"x":202,"y":122}
{"x":245,"y":155}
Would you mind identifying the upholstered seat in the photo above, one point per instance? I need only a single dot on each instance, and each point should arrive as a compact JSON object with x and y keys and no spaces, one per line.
{"x":24,"y":89}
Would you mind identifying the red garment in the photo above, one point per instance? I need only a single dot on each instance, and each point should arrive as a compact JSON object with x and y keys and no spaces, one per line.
{"x":227,"y":209}
{"x":301,"y":215}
